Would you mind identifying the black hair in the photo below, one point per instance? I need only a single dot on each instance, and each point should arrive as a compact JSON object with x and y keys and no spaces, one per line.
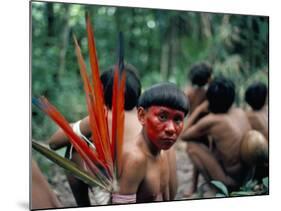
{"x":164,"y":94}
{"x":132,"y":86}
{"x":220,"y":94}
{"x":256,"y":94}
{"x":200,"y":73}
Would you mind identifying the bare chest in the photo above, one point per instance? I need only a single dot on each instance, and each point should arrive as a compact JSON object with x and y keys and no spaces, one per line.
{"x":156,"y":180}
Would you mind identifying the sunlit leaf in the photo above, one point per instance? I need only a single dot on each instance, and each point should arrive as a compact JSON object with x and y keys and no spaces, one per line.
{"x":242,"y":193}
{"x":265,"y":182}
{"x":219,"y":185}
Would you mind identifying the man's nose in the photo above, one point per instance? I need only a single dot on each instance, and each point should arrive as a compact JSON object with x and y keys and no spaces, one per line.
{"x":170,"y":128}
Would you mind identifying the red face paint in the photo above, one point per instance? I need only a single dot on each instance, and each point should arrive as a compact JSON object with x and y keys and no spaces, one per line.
{"x":163,"y":125}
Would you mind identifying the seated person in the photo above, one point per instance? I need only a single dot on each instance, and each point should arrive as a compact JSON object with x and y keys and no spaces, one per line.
{"x":226,"y":125}
{"x":42,"y":195}
{"x":132,"y":129}
{"x":200,"y":76}
{"x":145,"y":173}
{"x":82,"y":128}
{"x":256,"y":97}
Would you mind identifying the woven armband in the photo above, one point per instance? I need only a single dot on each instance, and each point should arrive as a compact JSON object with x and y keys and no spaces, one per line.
{"x":123,"y":199}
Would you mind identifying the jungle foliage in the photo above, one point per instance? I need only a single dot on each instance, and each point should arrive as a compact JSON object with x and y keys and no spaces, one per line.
{"x":162,"y":44}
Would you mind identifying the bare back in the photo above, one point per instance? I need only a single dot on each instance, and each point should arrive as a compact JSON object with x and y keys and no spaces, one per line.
{"x":195,"y":96}
{"x":132,"y":125}
{"x":227,"y":130}
{"x":259,"y":121}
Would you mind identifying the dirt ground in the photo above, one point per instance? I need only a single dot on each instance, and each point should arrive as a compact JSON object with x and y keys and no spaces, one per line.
{"x":184,"y":173}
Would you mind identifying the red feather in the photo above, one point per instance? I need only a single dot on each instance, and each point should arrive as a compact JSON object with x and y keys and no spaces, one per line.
{"x":80,"y":146}
{"x":91,"y":107}
{"x":118,"y":116}
{"x":100,"y":109}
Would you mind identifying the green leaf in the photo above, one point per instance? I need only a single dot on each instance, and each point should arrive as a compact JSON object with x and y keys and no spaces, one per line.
{"x":265,"y":182}
{"x":220,"y":186}
{"x":242,"y":193}
{"x":250,"y":185}
{"x":220,"y":195}
{"x":67,"y":164}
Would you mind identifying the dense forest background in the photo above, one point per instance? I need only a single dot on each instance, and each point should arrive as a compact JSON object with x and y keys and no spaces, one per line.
{"x":162,"y":44}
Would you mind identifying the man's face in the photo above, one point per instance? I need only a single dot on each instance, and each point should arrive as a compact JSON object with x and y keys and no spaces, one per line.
{"x":162,"y":125}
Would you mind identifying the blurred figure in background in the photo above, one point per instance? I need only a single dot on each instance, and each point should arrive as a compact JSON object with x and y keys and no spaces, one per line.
{"x":256,"y":149}
{"x":256,"y":97}
{"x":200,"y":75}
{"x":42,"y":195}
{"x":227,"y":126}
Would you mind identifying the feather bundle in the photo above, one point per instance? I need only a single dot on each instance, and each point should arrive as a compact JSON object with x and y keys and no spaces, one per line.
{"x":104,"y":163}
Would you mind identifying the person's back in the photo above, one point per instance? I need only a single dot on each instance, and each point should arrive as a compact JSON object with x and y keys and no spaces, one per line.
{"x":228,"y":131}
{"x":131,"y":129}
{"x":132,"y":126}
{"x":227,"y":126}
{"x":199,"y":75}
{"x":256,"y":96}
{"x":259,"y":121}
{"x":195,"y":95}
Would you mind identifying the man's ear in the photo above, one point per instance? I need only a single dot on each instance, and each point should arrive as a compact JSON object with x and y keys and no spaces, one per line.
{"x":141,"y":115}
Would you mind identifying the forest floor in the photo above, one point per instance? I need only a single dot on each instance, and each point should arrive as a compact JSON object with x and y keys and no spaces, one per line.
{"x":184,"y":172}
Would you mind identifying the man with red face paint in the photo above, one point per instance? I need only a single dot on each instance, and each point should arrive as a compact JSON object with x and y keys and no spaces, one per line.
{"x":146,"y":171}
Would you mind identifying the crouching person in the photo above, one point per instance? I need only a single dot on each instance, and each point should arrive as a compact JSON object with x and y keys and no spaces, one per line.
{"x":227,"y":126}
{"x":145,"y":172}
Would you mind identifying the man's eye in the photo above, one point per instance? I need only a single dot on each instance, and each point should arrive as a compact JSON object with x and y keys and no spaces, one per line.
{"x":162,"y":117}
{"x":178,"y":120}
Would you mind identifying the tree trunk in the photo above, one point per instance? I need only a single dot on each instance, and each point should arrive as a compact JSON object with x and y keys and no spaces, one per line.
{"x":50,"y":20}
{"x":164,"y":65}
{"x":64,"y":40}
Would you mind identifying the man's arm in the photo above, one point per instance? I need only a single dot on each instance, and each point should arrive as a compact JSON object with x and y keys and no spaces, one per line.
{"x":173,"y":179}
{"x":197,"y":130}
{"x":199,"y":111}
{"x":59,"y":139}
{"x":43,"y":196}
{"x":133,"y":172}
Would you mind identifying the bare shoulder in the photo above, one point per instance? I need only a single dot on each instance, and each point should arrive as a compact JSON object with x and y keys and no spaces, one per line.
{"x":133,"y":156}
{"x":251,"y":115}
{"x":210,"y":118}
{"x":133,"y":170}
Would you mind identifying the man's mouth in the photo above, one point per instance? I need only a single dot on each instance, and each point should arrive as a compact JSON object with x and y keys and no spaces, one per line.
{"x":169,"y":140}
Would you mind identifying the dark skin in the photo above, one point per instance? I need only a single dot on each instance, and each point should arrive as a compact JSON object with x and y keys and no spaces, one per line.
{"x":59,"y":139}
{"x":226,"y":130}
{"x":195,"y":96}
{"x":42,"y":195}
{"x":259,"y":120}
{"x":132,"y":129}
{"x":148,"y":154}
{"x":199,"y":112}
